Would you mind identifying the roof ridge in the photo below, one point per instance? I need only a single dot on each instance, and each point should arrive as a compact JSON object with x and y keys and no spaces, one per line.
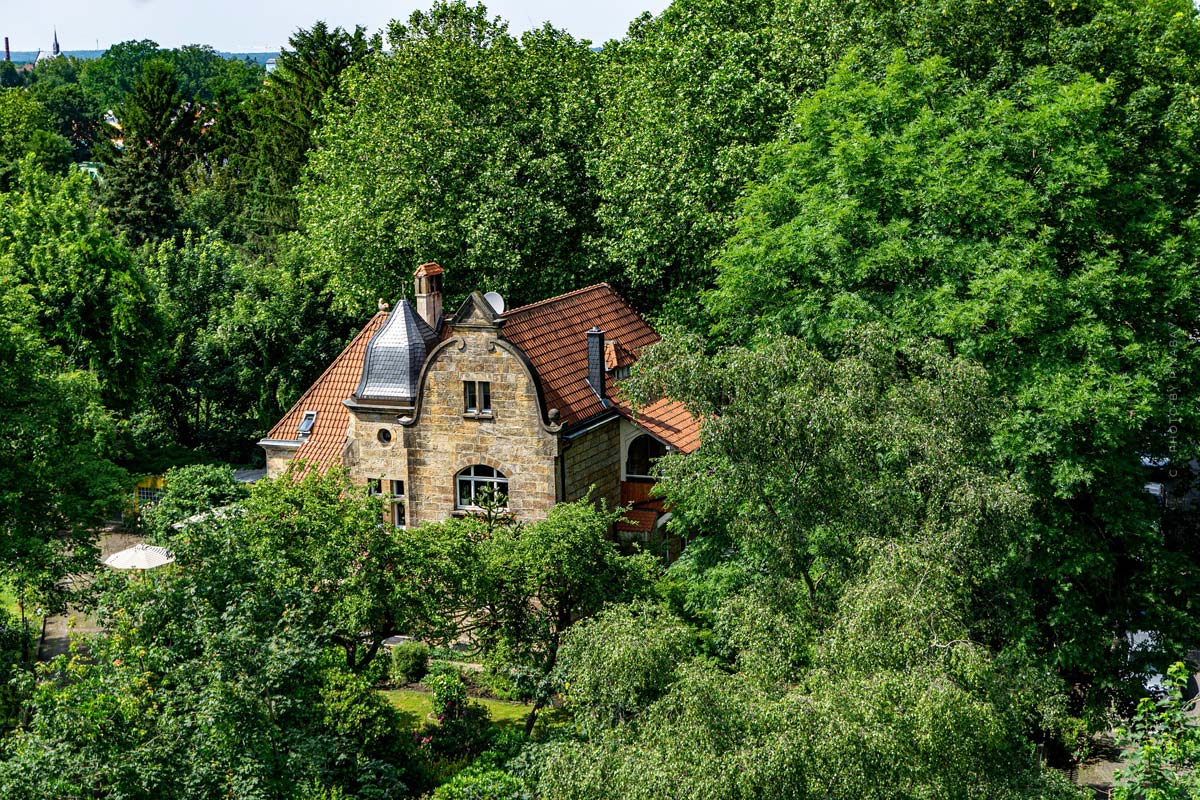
{"x":317,"y":382}
{"x":558,"y":297}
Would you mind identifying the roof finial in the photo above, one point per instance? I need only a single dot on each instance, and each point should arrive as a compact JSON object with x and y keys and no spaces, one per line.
{"x":383,"y":306}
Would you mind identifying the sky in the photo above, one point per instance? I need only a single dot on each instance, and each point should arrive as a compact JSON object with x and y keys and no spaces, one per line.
{"x":259,"y":25}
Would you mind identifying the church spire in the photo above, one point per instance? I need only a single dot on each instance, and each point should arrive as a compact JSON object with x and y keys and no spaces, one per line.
{"x":56,"y":51}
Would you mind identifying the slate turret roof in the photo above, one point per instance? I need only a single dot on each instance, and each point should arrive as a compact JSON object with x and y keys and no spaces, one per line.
{"x":394,"y":357}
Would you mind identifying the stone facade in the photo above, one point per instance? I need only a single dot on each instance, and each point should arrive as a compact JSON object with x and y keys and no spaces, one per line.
{"x":433,"y":442}
{"x":594,"y":459}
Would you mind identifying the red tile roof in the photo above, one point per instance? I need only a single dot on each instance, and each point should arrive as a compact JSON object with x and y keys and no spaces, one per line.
{"x":324,"y":444}
{"x":668,"y":420}
{"x":553,"y":333}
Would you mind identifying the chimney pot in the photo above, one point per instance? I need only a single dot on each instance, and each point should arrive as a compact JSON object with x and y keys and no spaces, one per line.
{"x":427,"y":288}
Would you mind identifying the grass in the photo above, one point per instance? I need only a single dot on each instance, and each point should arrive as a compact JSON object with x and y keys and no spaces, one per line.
{"x":8,"y":601}
{"x":415,"y":706}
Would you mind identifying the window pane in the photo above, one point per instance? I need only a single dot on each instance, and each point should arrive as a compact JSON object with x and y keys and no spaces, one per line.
{"x":374,"y":486}
{"x":398,"y":514}
{"x":397,"y":488}
{"x":464,"y":492}
{"x":485,"y":396}
{"x":469,"y":395}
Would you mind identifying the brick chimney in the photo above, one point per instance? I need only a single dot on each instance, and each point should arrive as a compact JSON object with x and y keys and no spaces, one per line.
{"x":595,"y":355}
{"x":428,"y":291}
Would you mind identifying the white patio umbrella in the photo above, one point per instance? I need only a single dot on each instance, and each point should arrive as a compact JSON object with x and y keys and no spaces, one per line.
{"x":140,"y":556}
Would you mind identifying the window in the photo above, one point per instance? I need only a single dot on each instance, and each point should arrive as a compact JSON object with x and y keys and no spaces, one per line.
{"x":375,"y":486}
{"x":148,"y":495}
{"x":384,"y":436}
{"x":398,"y":503}
{"x":477,"y":397}
{"x":476,"y":482}
{"x":306,"y":424}
{"x":620,"y":373}
{"x":643,"y":452}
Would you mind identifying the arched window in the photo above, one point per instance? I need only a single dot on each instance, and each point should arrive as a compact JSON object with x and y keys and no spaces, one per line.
{"x":643,"y":452}
{"x":480,"y":478}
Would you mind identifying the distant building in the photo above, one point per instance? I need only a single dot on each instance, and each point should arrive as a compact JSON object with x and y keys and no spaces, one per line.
{"x":55,"y":51}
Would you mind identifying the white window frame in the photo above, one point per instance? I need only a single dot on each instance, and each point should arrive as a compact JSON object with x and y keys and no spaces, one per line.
{"x":498,"y":480}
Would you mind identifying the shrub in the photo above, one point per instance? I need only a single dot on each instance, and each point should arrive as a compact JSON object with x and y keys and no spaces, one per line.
{"x":410,"y":662}
{"x":449,"y":695}
{"x":481,"y":784}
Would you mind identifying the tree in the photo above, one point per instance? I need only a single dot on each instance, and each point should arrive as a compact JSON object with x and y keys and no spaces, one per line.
{"x":689,"y":96}
{"x":55,"y":463}
{"x":160,"y":127}
{"x":27,"y":129}
{"x":461,"y":145}
{"x":90,"y":300}
{"x":280,"y":121}
{"x":1162,"y":746}
{"x":55,"y":84}
{"x":1001,"y":223}
{"x":110,"y":77}
{"x":867,"y":648}
{"x":535,"y":581}
{"x":207,"y":683}
{"x":615,"y":664}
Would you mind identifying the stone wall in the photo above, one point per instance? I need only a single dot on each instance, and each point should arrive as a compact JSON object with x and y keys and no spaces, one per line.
{"x":278,"y":459}
{"x":594,"y":458}
{"x":443,"y":440}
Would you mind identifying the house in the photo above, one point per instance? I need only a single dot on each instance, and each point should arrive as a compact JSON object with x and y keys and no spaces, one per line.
{"x":433,"y":410}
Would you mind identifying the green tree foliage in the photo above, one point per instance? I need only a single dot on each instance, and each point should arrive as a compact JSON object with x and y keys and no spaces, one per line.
{"x":316,"y":535}
{"x":1162,"y":746}
{"x":160,"y":127}
{"x":55,"y":83}
{"x":688,"y":97}
{"x":56,"y":471}
{"x":110,"y":77}
{"x":463,"y":145}
{"x":27,"y":129}
{"x":280,"y":120}
{"x":191,"y":490}
{"x":208,"y":683}
{"x":617,"y":663}
{"x":535,"y":581}
{"x":90,"y":300}
{"x":864,"y":650}
{"x":1002,"y":223}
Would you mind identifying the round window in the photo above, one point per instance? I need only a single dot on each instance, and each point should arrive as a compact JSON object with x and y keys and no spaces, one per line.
{"x":384,"y":436}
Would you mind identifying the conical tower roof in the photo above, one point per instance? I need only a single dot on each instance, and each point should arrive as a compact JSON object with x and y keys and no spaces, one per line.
{"x":395,"y":356}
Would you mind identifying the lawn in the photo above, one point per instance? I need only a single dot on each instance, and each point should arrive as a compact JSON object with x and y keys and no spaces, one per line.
{"x":7,"y":601}
{"x":416,"y":706}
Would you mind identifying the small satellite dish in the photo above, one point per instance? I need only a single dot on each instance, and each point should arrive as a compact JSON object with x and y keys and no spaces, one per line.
{"x":495,"y":301}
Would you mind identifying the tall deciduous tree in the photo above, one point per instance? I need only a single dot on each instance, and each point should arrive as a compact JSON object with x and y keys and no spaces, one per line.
{"x":55,"y":469}
{"x":90,"y":299}
{"x":1004,"y":222}
{"x":464,"y":145}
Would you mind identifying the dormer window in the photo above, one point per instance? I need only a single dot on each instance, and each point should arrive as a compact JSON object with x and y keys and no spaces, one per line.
{"x":477,"y":398}
{"x":306,"y":424}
